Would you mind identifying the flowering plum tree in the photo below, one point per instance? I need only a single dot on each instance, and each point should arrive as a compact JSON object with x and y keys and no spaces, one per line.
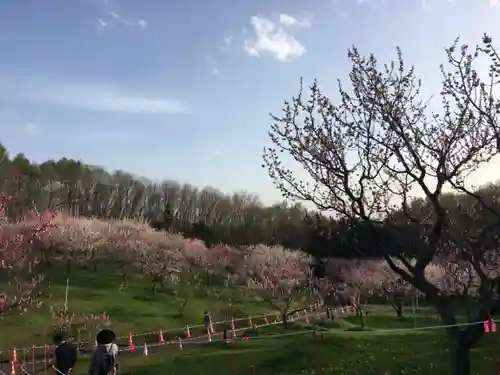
{"x":185,"y":280}
{"x":346,"y":282}
{"x":160,"y":265}
{"x":21,"y":244}
{"x":393,"y":288}
{"x":368,"y":155}
{"x":282,"y":277}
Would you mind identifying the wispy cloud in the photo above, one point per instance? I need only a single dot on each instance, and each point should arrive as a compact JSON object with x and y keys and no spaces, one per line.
{"x":275,"y":38}
{"x":31,"y":130}
{"x":105,"y":136}
{"x":290,"y":21}
{"x":211,"y":63}
{"x":85,"y":96}
{"x":228,"y":40}
{"x":112,"y":18}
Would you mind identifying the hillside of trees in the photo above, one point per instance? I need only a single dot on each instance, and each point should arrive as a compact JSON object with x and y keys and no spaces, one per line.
{"x":207,"y":214}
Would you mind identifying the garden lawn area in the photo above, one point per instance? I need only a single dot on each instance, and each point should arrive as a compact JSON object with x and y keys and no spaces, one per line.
{"x":343,"y":350}
{"x":386,"y":346}
{"x":136,"y":309}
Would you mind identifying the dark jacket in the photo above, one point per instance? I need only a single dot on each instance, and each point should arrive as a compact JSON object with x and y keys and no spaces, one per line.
{"x":103,"y":357}
{"x":65,"y":357}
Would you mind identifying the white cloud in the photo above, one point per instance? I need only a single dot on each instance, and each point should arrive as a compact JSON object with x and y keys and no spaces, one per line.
{"x":290,"y":21}
{"x":105,"y":136}
{"x":115,"y":18}
{"x":228,"y":40}
{"x":272,"y":39}
{"x":93,"y":97}
{"x":99,"y":98}
{"x":31,"y":130}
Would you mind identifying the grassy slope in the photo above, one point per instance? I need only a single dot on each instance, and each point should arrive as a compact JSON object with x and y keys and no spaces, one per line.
{"x":135,"y":310}
{"x":345,"y":350}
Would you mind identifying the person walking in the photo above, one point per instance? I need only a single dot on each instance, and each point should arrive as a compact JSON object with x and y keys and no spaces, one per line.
{"x":207,"y":323}
{"x":65,"y":355}
{"x":104,"y":358}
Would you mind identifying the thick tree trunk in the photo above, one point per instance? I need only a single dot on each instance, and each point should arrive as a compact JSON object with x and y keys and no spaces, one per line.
{"x":459,"y":356}
{"x":398,"y":308}
{"x":284,"y":318}
{"x":183,"y":306}
{"x":361,"y":315}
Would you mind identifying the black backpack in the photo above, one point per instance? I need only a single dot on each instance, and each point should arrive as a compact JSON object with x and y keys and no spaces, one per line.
{"x":108,"y":364}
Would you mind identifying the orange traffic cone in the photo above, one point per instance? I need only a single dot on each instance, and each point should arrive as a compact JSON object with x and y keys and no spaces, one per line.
{"x":188,"y":332}
{"x":131,"y":346}
{"x":13,"y":362}
{"x":161,"y":339}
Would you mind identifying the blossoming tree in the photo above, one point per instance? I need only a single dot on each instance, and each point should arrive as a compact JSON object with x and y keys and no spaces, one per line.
{"x":282,"y":277}
{"x":21,"y":244}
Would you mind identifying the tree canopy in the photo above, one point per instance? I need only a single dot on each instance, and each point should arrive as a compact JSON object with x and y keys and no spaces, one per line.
{"x":371,"y":154}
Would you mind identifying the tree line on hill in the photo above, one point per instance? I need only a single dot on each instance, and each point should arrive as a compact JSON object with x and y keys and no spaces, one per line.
{"x":206,"y":214}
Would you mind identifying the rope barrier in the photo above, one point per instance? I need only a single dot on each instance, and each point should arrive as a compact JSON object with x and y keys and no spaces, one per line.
{"x":156,"y":332}
{"x":56,"y":370}
{"x":191,"y":339}
{"x":194,"y":340}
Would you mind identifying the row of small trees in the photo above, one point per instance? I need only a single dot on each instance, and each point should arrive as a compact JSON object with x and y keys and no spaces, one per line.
{"x":283,"y":278}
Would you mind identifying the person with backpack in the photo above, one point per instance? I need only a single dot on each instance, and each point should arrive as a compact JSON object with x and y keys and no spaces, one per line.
{"x":65,"y":355}
{"x":104,"y":357}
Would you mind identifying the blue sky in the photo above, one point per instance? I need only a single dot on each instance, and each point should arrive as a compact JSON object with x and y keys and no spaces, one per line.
{"x":182,"y":89}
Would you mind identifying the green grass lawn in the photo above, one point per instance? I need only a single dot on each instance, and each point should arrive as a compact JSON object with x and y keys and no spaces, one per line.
{"x":344,"y":349}
{"x":341,"y":351}
{"x":137,"y":309}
